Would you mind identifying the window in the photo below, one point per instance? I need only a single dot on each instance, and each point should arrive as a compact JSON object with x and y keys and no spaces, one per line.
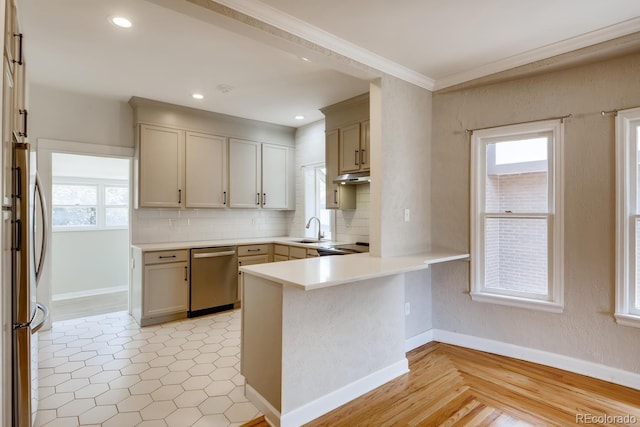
{"x":315,"y":187}
{"x":628,"y":217}
{"x":516,"y":216}
{"x":89,"y":204}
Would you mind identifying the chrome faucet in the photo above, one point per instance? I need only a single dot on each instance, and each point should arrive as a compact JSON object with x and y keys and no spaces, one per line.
{"x":320,"y":236}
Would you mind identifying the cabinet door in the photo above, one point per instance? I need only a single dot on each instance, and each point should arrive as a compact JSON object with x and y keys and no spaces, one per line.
{"x":7,"y":132}
{"x":166,"y":289}
{"x":364,"y":146}
{"x":350,"y":148}
{"x":205,"y":171}
{"x":161,"y":153}
{"x":12,"y":39}
{"x":276,"y":164}
{"x":244,"y":174}
{"x":337,"y":196}
{"x":331,"y":160}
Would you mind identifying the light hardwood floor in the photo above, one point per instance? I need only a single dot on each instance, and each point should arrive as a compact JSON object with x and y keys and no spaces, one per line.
{"x":89,"y":306}
{"x":454,"y":386}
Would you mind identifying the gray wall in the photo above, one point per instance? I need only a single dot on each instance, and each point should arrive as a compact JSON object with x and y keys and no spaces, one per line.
{"x":586,"y":330}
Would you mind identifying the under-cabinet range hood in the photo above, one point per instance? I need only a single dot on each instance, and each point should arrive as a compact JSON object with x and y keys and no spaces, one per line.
{"x":353,"y":178}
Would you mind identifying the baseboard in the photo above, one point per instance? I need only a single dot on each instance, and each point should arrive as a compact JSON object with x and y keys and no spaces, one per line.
{"x":328,"y":402}
{"x":271,"y":414}
{"x":418,"y":340}
{"x":567,"y":363}
{"x":89,"y":293}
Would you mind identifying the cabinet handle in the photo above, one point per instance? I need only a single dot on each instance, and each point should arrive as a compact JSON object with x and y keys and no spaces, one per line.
{"x":254,"y":250}
{"x":166,"y":256}
{"x":335,"y":196}
{"x":19,"y":61}
{"x":186,"y":278}
{"x":362,"y":157}
{"x":264,"y":199}
{"x":224,"y":198}
{"x":24,"y":123}
{"x":257,"y":198}
{"x":179,"y":196}
{"x":355,"y":157}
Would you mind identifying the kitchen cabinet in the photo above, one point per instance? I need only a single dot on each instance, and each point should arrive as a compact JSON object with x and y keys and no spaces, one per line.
{"x":251,"y":255}
{"x":354,"y":148}
{"x":161,"y":167}
{"x":159,"y":286}
{"x":245,"y":162}
{"x":278,"y":177}
{"x":206,"y":171}
{"x":337,"y":196}
{"x":14,"y":109}
{"x":260,"y":175}
{"x":288,"y":252}
{"x":179,"y":168}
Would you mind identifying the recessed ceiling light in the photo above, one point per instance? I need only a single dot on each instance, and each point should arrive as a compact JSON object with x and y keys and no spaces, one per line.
{"x":120,"y":21}
{"x":299,"y":117}
{"x":197,"y":96}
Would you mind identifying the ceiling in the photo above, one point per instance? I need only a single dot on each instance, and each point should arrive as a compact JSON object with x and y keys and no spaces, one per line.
{"x":176,"y":48}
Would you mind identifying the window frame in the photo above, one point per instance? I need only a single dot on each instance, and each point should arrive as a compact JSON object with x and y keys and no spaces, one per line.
{"x":480,"y":140}
{"x":313,"y":205}
{"x":100,"y":205}
{"x":627,"y":212}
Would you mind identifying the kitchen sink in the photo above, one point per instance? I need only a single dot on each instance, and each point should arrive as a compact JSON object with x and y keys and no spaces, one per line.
{"x":305,"y":241}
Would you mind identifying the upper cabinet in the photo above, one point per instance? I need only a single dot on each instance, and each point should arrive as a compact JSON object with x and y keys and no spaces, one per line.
{"x":180,"y":168}
{"x":278,"y":177}
{"x":206,"y":171}
{"x":346,"y":147}
{"x":161,"y":160}
{"x":261,"y":175}
{"x":244,"y":176}
{"x":354,"y":148}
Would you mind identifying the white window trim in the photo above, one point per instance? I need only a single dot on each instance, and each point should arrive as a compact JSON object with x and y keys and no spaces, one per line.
{"x":100,"y":205}
{"x":555,"y":301}
{"x":626,"y":160}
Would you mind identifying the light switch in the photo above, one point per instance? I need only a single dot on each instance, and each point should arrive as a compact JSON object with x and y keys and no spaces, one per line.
{"x":407,"y":215}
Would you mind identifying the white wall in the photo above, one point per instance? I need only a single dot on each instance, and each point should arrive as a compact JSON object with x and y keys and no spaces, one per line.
{"x":586,"y":329}
{"x":89,"y":261}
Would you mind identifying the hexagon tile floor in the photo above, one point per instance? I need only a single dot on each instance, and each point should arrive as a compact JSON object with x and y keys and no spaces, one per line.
{"x":107,"y":371}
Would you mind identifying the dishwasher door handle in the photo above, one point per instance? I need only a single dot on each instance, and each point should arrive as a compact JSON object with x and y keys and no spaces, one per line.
{"x":213,"y":254}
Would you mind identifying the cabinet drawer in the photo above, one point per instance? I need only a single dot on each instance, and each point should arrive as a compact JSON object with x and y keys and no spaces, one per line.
{"x":253,"y":250}
{"x":252,"y":260}
{"x":278,"y":258}
{"x":297,"y":253}
{"x":161,"y":257}
{"x":281,"y":250}
{"x":312,"y":253}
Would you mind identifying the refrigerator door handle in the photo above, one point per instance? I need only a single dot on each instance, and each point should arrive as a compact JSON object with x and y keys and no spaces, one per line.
{"x":45,"y":228}
{"x":45,"y":315}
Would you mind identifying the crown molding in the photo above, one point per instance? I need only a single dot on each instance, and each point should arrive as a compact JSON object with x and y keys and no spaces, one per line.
{"x":584,"y":40}
{"x":324,"y":39}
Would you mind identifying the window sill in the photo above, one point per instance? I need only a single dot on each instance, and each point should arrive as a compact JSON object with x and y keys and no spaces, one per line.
{"x":628,"y":320}
{"x":549,"y":306}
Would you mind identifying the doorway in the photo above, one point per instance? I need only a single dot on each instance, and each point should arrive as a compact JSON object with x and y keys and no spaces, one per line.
{"x":90,"y":235}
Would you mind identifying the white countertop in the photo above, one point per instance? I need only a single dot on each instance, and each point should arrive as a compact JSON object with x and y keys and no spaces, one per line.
{"x":147,"y":247}
{"x":322,"y":272}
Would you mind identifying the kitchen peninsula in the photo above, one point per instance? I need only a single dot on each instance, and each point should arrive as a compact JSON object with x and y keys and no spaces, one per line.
{"x":317,"y":333}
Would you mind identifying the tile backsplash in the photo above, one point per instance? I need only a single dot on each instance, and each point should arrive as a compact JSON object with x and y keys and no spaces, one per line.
{"x":179,"y":225}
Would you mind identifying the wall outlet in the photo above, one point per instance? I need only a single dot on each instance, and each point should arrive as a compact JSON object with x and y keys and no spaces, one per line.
{"x":407,"y":215}
{"x":407,"y":308}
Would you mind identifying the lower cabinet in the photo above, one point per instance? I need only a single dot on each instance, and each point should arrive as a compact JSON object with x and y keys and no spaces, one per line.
{"x":160,"y":286}
{"x":251,"y":255}
{"x":287,"y":252}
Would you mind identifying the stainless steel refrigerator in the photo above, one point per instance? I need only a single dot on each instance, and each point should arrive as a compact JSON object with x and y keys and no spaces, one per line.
{"x":27,"y":259}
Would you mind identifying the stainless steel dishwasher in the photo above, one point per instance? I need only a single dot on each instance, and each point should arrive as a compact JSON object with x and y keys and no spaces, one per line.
{"x":214,"y":280}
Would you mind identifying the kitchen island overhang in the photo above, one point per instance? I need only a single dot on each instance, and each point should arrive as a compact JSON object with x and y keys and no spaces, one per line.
{"x":317,"y":333}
